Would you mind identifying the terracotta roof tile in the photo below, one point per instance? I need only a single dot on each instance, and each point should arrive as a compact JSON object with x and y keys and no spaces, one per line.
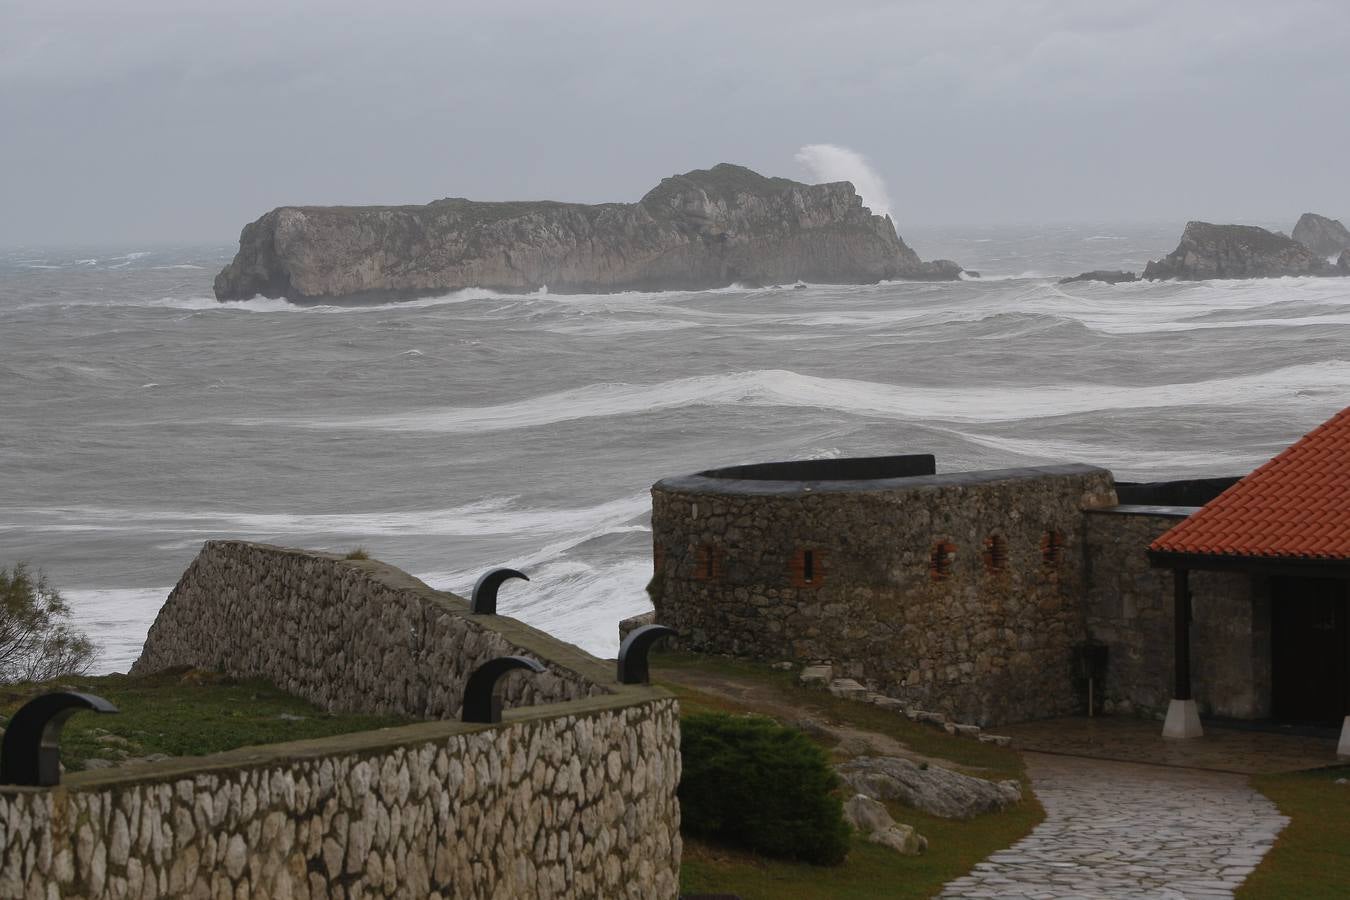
{"x":1297,"y":505}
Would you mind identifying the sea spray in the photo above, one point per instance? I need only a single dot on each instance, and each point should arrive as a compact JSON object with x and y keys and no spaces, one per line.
{"x":830,"y":162}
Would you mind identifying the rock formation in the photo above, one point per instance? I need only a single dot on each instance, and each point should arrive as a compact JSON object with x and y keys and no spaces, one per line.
{"x":932,"y":789}
{"x":1112,"y":276}
{"x":1236,"y":251}
{"x":873,"y":819}
{"x":1323,"y":236}
{"x":707,"y":228}
{"x":1343,"y":264}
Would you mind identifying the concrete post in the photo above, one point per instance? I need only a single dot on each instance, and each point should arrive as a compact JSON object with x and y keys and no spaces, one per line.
{"x":1183,"y":719}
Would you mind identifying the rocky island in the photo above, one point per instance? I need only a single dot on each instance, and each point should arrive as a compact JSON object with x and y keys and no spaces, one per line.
{"x":1236,"y":251}
{"x":703,"y":229}
{"x":1323,"y":236}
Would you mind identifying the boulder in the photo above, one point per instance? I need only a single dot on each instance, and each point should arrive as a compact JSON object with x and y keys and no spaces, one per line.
{"x":932,"y":789}
{"x":1235,"y":251}
{"x":872,"y":819}
{"x":819,"y":676}
{"x":1343,"y":264}
{"x":1323,"y":236}
{"x":1111,"y":276}
{"x":708,"y":228}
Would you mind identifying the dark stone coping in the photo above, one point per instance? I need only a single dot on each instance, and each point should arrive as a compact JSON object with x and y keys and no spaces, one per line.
{"x":1189,"y":492}
{"x":1140,"y":509}
{"x":857,"y":468}
{"x":703,"y":484}
{"x":356,"y":743}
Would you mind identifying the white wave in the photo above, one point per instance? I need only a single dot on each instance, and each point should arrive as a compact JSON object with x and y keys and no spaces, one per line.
{"x":493,"y":516}
{"x":829,"y":162}
{"x":116,"y":620}
{"x":1120,"y":460}
{"x":783,"y":388}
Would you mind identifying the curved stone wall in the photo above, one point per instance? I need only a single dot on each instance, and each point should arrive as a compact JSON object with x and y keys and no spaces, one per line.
{"x":573,"y":794}
{"x":960,"y":592}
{"x":570,"y":801}
{"x":349,"y":635}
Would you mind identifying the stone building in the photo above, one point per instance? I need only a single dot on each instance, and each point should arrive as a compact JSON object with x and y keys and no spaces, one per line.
{"x":1014,"y":594}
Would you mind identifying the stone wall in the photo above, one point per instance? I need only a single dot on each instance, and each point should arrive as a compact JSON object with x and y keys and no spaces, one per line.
{"x":1129,"y":608}
{"x":576,"y":800}
{"x":962,"y":593}
{"x":349,"y":635}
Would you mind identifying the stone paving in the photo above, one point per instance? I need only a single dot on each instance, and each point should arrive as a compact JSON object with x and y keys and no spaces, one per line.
{"x":1222,"y":749}
{"x":1125,"y":830}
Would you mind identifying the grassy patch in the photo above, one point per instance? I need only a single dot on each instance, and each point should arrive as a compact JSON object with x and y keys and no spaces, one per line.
{"x":984,"y":760}
{"x":184,"y":714}
{"x":1311,"y":857}
{"x":870,"y":871}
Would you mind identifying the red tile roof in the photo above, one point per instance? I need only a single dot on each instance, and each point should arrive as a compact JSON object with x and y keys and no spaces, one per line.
{"x":1297,"y":506}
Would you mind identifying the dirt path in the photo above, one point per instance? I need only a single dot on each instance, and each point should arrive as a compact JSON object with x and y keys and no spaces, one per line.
{"x":804,"y":715}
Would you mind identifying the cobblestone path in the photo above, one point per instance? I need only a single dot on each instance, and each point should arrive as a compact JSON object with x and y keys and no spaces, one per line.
{"x":1124,"y":830}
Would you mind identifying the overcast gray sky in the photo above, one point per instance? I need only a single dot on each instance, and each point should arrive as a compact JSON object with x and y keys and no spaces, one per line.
{"x":170,"y":120}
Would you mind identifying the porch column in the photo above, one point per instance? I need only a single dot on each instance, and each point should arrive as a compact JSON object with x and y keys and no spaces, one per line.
{"x":1183,"y":719}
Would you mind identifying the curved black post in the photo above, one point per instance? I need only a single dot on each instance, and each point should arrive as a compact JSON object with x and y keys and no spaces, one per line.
{"x":633,"y":652}
{"x":480,"y":703}
{"x":484,"y":600}
{"x":31,"y":752}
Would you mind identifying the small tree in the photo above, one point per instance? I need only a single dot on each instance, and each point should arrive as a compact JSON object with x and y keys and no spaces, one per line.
{"x":37,"y":641}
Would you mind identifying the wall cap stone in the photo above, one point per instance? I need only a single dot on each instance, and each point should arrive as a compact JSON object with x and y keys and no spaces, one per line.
{"x":703,"y":484}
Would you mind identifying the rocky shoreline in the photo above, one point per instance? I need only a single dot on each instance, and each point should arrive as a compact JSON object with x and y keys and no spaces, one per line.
{"x":704,"y":229}
{"x":1208,"y":251}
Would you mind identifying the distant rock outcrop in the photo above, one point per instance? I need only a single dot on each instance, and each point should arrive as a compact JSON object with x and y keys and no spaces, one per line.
{"x":704,"y":229}
{"x":1110,"y":276}
{"x":1323,"y":236}
{"x":1344,"y":262}
{"x":1236,"y":251}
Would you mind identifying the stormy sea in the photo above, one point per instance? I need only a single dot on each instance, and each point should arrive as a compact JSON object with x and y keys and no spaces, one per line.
{"x":446,"y":435}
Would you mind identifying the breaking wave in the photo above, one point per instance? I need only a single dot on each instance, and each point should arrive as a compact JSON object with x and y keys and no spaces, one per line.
{"x":784,"y":388}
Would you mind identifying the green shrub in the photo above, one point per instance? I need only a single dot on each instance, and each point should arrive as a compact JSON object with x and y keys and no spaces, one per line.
{"x":750,"y":782}
{"x":357,"y":553}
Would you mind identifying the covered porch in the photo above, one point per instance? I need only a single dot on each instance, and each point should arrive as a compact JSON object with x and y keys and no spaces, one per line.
{"x":1287,"y":526}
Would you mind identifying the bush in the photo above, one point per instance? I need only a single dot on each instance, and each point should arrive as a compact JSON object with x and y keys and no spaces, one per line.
{"x":357,"y":553}
{"x":37,"y":642}
{"x":748,"y":781}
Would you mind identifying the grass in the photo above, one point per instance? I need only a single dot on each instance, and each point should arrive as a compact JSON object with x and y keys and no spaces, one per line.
{"x":871,"y":871}
{"x":357,"y":553}
{"x":984,"y":760}
{"x":183,"y":713}
{"x":1311,"y":857}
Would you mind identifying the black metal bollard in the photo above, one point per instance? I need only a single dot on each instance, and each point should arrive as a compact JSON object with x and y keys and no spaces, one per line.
{"x":633,"y":652}
{"x":484,"y":598}
{"x":481,"y":704}
{"x":31,"y":752}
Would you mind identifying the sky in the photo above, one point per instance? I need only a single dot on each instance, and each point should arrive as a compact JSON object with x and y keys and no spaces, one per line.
{"x":179,"y":121}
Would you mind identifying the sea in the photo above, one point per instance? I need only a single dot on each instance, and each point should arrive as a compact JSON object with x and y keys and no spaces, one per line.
{"x":449,"y":435}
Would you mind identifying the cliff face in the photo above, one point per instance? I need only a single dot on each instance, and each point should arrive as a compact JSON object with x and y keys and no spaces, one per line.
{"x":1236,"y":251}
{"x":1323,"y":236}
{"x":707,"y":228}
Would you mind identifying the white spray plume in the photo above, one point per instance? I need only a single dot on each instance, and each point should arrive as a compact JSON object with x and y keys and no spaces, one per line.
{"x":829,"y":162}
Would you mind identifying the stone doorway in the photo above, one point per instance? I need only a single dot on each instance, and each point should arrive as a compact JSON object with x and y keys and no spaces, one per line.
{"x":1310,"y":650}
